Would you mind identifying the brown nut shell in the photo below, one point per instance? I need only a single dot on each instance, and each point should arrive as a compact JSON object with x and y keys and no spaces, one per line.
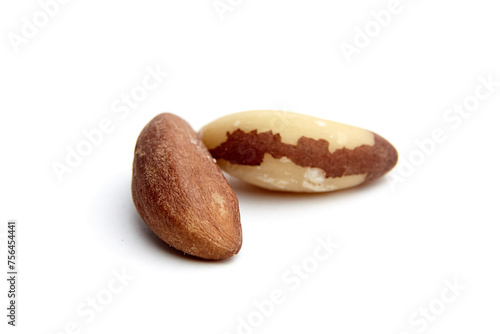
{"x":181,"y":193}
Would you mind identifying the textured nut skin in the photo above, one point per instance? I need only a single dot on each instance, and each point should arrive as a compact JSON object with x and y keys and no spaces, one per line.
{"x":287,"y":151}
{"x":181,"y":193}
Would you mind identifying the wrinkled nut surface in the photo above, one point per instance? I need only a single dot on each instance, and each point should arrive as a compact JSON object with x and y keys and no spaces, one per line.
{"x":181,"y":193}
{"x":287,"y":151}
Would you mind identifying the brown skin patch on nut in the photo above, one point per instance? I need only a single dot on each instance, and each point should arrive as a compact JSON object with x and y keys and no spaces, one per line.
{"x":249,"y":148}
{"x":181,"y":193}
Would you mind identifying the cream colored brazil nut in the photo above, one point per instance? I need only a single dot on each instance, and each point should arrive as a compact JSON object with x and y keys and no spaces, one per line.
{"x":287,"y":151}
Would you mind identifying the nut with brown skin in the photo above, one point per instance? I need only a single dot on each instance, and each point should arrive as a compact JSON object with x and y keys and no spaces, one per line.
{"x":287,"y":151}
{"x":181,"y":193}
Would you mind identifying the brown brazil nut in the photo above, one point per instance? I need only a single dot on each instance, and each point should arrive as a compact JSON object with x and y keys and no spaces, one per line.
{"x":181,"y":193}
{"x":287,"y":151}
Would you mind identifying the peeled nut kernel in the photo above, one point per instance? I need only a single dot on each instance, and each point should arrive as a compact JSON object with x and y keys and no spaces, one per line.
{"x":287,"y":151}
{"x":181,"y":193}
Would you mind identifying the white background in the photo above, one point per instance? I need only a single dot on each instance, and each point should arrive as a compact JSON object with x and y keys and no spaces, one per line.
{"x":398,"y":244}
